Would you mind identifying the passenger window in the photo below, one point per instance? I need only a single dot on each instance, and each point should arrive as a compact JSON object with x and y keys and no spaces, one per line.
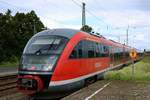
{"x":91,"y":50}
{"x":85,"y":47}
{"x":97,"y":50}
{"x":105,"y":51}
{"x":100,"y":50}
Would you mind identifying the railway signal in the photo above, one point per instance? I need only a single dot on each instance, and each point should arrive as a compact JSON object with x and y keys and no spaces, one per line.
{"x":133,"y":54}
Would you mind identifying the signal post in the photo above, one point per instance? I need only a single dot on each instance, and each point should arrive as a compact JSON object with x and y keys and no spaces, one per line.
{"x":133,"y":55}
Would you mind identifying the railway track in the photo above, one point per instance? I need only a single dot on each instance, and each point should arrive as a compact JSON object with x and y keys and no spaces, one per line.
{"x":8,"y":84}
{"x":8,"y":87}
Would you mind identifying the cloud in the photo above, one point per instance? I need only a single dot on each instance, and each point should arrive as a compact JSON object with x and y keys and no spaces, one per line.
{"x":120,"y":5}
{"x":114,"y":14}
{"x":123,"y":19}
{"x":50,"y":23}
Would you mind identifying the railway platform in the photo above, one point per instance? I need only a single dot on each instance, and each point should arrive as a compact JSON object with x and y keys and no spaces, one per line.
{"x":112,"y":90}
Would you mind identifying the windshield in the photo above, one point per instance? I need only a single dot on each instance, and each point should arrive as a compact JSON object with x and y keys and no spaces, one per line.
{"x":41,"y":53}
{"x":45,"y":45}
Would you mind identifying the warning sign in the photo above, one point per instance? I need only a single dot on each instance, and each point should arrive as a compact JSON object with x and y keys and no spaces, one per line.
{"x":133,"y":54}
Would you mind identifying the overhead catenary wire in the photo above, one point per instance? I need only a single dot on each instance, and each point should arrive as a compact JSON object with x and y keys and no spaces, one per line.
{"x":77,"y":3}
{"x":62,"y":23}
{"x":86,"y":10}
{"x":57,"y":21}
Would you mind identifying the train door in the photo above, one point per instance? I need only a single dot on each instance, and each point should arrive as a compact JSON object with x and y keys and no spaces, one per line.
{"x":86,"y":61}
{"x":74,"y":59}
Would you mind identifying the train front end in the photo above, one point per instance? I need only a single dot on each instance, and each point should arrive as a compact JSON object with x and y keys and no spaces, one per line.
{"x":38,"y":61}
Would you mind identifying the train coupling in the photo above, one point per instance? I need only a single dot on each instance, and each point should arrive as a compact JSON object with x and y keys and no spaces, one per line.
{"x":29,"y":84}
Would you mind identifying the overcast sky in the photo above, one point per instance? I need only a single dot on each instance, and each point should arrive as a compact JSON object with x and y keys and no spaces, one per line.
{"x":111,"y":18}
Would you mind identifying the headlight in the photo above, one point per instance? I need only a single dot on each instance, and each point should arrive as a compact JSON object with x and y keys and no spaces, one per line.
{"x":47,"y":67}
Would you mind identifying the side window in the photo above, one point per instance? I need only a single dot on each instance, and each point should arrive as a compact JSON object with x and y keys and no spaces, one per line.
{"x":115,"y":54}
{"x":74,"y":53}
{"x":80,"y":49}
{"x":91,"y":50}
{"x":85,"y":48}
{"x":97,"y":50}
{"x":77,"y":51}
{"x":100,"y":49}
{"x":105,"y":51}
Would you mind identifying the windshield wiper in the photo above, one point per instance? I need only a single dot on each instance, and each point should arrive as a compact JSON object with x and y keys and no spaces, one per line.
{"x":44,"y":48}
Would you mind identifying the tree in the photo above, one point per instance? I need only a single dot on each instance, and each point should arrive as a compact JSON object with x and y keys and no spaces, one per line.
{"x":26,"y":24}
{"x":86,"y":28}
{"x":15,"y":31}
{"x":6,"y":36}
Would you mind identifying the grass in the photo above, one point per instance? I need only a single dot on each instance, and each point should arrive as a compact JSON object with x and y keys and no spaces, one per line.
{"x":12,"y":62}
{"x":9,"y":64}
{"x":141,"y":72}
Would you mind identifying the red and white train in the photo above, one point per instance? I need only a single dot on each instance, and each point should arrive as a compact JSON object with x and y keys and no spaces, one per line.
{"x":58,"y":61}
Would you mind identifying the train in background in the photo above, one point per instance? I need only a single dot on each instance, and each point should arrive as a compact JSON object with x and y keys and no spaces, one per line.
{"x":59,"y":61}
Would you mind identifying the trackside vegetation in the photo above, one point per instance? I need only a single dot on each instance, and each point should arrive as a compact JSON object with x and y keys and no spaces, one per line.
{"x":9,"y":64}
{"x":141,"y":72}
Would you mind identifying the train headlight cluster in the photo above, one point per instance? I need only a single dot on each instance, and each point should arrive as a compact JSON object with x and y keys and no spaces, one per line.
{"x":47,"y":67}
{"x":38,"y":67}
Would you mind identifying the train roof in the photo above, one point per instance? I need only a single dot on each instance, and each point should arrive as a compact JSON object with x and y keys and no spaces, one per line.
{"x":60,"y":32}
{"x":65,"y":32}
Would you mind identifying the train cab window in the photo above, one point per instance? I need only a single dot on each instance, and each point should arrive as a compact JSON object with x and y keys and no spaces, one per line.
{"x":74,"y":53}
{"x":77,"y":51}
{"x":80,"y":49}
